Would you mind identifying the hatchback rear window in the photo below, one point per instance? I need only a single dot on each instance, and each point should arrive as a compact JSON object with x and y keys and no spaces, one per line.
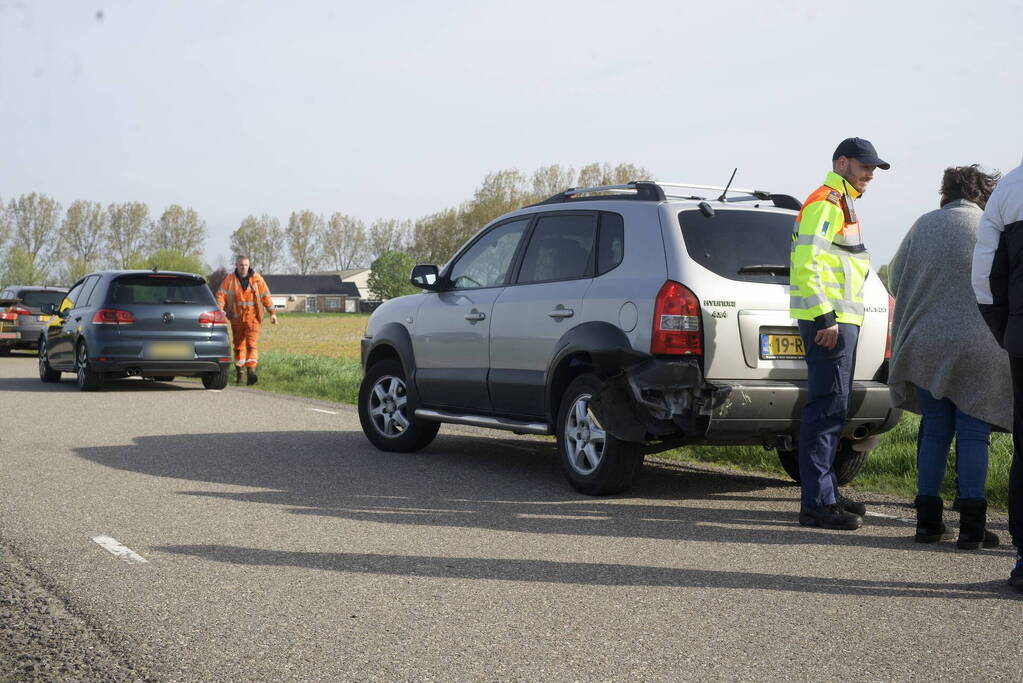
{"x":750,"y":246}
{"x":37,"y":299}
{"x":159,"y":289}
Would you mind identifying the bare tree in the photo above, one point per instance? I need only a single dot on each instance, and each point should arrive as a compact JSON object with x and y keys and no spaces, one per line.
{"x":82,"y":237}
{"x":344,"y":241}
{"x":438,"y":235}
{"x":262,"y":240}
{"x":549,"y":180}
{"x":179,"y":229}
{"x":388,"y":234}
{"x":126,"y":231}
{"x":304,"y":228}
{"x":36,"y":220}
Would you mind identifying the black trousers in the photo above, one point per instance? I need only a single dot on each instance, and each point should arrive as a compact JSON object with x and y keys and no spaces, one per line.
{"x":1016,"y":471}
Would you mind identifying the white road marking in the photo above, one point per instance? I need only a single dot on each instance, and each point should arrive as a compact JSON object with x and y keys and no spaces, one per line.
{"x":320,"y":410}
{"x":119,"y":551}
{"x":905,"y":520}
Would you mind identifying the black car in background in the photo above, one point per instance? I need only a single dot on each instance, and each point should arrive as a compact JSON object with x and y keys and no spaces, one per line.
{"x":151,"y":324}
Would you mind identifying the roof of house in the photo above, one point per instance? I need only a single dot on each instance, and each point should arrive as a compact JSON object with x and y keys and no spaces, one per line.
{"x":345,"y":274}
{"x":310,"y":284}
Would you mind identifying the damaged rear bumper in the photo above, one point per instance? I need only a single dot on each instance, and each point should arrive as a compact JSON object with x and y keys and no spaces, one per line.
{"x":648,"y":399}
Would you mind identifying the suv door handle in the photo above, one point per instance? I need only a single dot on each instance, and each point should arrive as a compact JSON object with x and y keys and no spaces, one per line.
{"x":561,"y":313}
{"x":475,"y":316}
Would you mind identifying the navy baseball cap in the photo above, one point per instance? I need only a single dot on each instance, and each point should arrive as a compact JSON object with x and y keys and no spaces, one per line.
{"x":861,"y":150}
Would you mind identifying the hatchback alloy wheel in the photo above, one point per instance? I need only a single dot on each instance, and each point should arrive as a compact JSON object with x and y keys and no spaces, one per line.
{"x":387,"y":404}
{"x":584,"y":437}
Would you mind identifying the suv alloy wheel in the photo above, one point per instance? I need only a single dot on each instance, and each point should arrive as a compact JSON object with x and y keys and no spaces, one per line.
{"x":594,"y":462}
{"x":384,"y":411}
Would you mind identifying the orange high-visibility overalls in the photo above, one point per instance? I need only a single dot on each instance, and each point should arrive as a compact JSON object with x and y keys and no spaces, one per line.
{"x":244,"y":308}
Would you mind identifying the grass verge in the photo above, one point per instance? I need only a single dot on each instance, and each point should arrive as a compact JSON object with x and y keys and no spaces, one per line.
{"x":322,"y":377}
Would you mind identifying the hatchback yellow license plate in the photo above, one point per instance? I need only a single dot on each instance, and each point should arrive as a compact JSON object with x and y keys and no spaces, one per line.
{"x":170,"y":351}
{"x":781,"y":346}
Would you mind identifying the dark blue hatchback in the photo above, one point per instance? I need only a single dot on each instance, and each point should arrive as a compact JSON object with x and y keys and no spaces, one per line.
{"x":151,"y":324}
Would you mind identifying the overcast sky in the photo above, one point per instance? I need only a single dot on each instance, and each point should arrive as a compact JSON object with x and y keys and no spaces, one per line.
{"x":399,"y":109}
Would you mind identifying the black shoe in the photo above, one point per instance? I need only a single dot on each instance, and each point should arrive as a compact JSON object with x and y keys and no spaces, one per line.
{"x":973,"y":531}
{"x":853,"y":506}
{"x":830,"y":517}
{"x":1016,"y":575}
{"x":237,"y":375}
{"x":252,"y":377}
{"x":929,"y":526}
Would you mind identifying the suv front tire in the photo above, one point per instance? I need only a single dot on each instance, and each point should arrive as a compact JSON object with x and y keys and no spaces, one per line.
{"x":594,"y":462}
{"x":385,"y":414}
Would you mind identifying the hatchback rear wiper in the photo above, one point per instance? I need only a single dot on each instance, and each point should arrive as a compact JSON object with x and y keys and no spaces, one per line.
{"x":177,"y":301}
{"x":767,"y":268}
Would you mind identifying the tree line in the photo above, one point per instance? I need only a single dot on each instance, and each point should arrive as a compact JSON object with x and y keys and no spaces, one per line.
{"x":45,"y":244}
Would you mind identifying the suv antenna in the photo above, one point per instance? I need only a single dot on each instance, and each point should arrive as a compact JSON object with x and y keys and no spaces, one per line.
{"x":725,"y":191}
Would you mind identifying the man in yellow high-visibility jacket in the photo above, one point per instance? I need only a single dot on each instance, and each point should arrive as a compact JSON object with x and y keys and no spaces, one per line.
{"x":829,"y":267}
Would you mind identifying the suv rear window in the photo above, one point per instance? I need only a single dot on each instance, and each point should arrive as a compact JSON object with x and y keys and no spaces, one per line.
{"x":159,"y":289}
{"x":749,"y":246}
{"x":34,"y":298}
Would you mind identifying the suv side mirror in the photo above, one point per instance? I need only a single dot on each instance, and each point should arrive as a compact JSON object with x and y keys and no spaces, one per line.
{"x":425,"y":276}
{"x":48,"y":309}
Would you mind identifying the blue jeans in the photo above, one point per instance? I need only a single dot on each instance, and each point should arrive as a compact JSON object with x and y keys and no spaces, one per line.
{"x":829,"y":384}
{"x":941,"y":420}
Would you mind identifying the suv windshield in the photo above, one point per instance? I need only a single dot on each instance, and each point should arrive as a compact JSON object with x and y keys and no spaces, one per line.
{"x":37,"y":299}
{"x":159,"y":289}
{"x":750,"y":246}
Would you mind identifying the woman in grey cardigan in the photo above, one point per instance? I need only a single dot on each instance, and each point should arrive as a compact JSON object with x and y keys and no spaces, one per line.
{"x":945,"y":363}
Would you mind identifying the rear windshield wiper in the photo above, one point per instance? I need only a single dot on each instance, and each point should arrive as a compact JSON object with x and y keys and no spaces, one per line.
{"x":764,"y":268}
{"x":177,"y":301}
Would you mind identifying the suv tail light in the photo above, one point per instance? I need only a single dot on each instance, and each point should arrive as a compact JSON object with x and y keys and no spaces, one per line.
{"x":888,"y":338}
{"x":212,"y":318}
{"x":19,"y":310}
{"x":113,"y":316}
{"x":677,"y":328}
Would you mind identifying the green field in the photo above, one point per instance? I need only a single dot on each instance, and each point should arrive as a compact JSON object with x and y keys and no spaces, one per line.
{"x":317,"y":356}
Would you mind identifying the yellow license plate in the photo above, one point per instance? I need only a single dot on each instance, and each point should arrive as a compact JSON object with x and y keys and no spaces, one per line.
{"x":44,"y":318}
{"x":170,"y":351}
{"x":779,"y":346}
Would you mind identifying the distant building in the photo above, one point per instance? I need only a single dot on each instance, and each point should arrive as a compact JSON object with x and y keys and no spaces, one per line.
{"x":358,"y":276}
{"x":313,"y":293}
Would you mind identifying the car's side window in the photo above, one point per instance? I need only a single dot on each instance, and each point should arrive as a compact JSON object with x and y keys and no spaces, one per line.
{"x":560,"y":248}
{"x":611,"y":242}
{"x":486,"y":263}
{"x":85,"y":297}
{"x":72,"y":296}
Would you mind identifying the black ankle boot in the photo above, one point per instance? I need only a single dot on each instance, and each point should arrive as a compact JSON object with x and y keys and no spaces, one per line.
{"x":237,"y":375}
{"x":252,"y":377}
{"x":929,"y":526}
{"x":972,"y":523}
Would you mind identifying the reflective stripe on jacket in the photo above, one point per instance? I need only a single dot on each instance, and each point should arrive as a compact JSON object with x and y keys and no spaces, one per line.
{"x":829,"y":262}
{"x":234,"y":301}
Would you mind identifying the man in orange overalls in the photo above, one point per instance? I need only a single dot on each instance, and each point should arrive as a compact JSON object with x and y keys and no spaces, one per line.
{"x":242,"y":296}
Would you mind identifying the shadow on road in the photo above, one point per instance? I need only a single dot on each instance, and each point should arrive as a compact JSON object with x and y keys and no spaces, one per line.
{"x":461,"y":481}
{"x":67,"y":383}
{"x":592,"y":574}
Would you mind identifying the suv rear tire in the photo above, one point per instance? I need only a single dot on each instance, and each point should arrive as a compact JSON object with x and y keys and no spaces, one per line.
{"x":848,"y":462}
{"x":594,"y":462}
{"x":384,"y":411}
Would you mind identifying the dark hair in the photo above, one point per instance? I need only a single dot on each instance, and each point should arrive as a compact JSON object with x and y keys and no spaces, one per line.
{"x":968,"y":182}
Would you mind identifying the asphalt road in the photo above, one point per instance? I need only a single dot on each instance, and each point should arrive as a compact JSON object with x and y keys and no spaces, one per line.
{"x":279,"y":545}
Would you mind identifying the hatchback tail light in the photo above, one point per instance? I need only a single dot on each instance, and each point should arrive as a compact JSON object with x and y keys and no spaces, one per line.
{"x":888,"y":338}
{"x":677,"y":329}
{"x":19,"y":310}
{"x":212,"y":318}
{"x":113,"y":316}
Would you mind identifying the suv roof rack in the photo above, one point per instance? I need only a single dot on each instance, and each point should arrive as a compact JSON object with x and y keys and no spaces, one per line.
{"x":658,"y":191}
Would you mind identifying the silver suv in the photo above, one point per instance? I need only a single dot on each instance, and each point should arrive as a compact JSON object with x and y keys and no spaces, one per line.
{"x":625,"y":320}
